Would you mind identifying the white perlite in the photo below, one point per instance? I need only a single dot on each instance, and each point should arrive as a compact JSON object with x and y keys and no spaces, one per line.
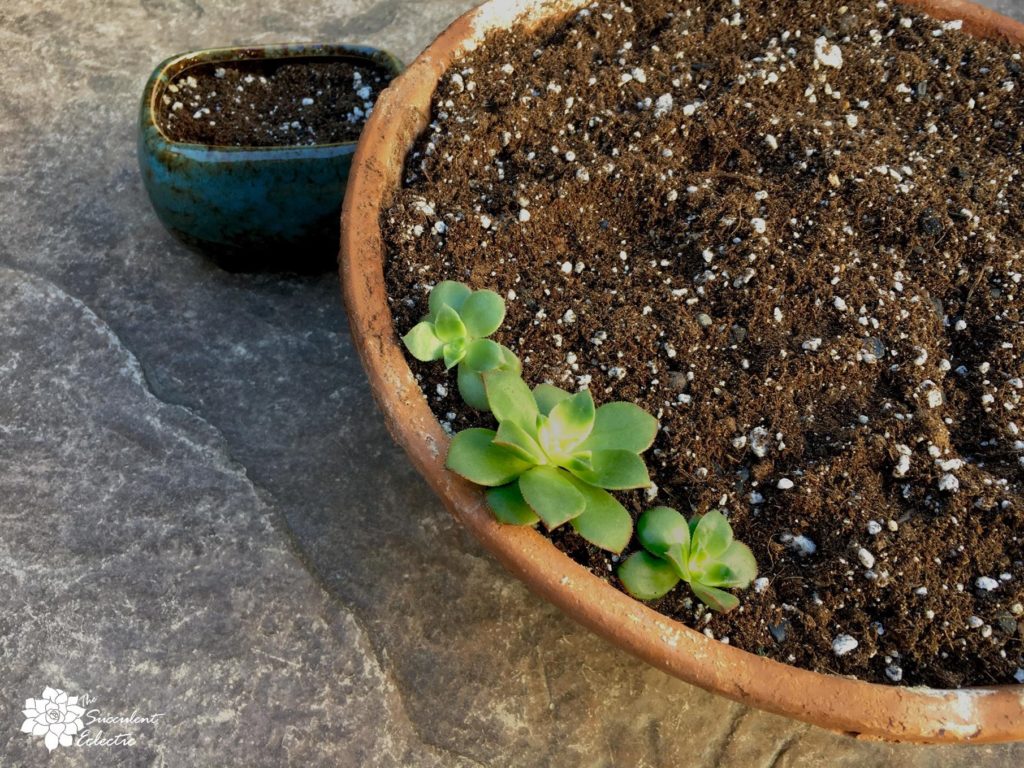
{"x":663,"y":105}
{"x":759,"y":442}
{"x":866,"y":558}
{"x":948,"y":482}
{"x":760,"y":584}
{"x":843,"y":644}
{"x":812,"y":345}
{"x":986,"y":583}
{"x":801,"y":544}
{"x":903,"y":463}
{"x":827,"y":54}
{"x":784,"y":484}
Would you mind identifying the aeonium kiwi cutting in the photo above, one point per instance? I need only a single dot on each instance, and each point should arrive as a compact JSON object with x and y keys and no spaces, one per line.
{"x":556,"y":456}
{"x":456,"y":330}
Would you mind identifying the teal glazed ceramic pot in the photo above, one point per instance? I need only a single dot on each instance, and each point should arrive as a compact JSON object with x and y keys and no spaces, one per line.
{"x":250,"y":208}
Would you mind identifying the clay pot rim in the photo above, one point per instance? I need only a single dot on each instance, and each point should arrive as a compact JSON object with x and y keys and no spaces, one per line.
{"x":855,"y":707}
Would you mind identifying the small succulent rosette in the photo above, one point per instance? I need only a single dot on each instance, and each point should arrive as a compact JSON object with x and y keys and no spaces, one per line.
{"x":456,"y":331}
{"x":554,"y":457}
{"x":700,"y":552}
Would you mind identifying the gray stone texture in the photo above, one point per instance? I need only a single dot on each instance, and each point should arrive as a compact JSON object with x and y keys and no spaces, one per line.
{"x":201,"y":513}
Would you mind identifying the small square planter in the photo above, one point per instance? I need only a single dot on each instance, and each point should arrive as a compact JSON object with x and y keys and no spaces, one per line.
{"x":250,"y":208}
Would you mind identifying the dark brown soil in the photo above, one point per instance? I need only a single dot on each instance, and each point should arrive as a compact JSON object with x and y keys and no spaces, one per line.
{"x":810,"y":274}
{"x":270,"y":102}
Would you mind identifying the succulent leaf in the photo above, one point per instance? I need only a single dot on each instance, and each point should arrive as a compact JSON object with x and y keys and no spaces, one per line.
{"x":548,"y":396}
{"x":511,"y":400}
{"x":714,"y":598}
{"x":471,"y":383}
{"x":647,"y":577}
{"x":484,"y":355}
{"x":614,"y":470}
{"x":510,"y":363}
{"x":736,"y":567}
{"x":474,"y":455}
{"x":605,"y":523}
{"x":516,"y":439}
{"x":448,"y":326}
{"x":447,"y":293}
{"x":482,"y":313}
{"x":579,"y":463}
{"x":423,"y":343}
{"x":454,"y":352}
{"x":711,"y":537}
{"x":509,"y":507}
{"x":717,"y":575}
{"x":622,"y":426}
{"x":568,"y":425}
{"x":551,"y":495}
{"x":663,"y":532}
{"x":471,"y":388}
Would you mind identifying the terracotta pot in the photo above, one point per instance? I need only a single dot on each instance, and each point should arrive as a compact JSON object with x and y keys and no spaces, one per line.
{"x":838,"y":703}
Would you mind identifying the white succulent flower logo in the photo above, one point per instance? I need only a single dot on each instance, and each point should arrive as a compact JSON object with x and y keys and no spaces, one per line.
{"x":56,"y":716}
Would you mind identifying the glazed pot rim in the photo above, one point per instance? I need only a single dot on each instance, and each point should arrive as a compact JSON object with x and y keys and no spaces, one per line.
{"x":840,"y":703}
{"x":181,"y":62}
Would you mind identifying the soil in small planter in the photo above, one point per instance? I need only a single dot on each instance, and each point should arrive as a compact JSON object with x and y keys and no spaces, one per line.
{"x":794,"y":231}
{"x":271,"y":102}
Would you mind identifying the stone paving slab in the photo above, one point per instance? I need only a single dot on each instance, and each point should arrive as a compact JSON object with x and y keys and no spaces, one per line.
{"x":202,"y":514}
